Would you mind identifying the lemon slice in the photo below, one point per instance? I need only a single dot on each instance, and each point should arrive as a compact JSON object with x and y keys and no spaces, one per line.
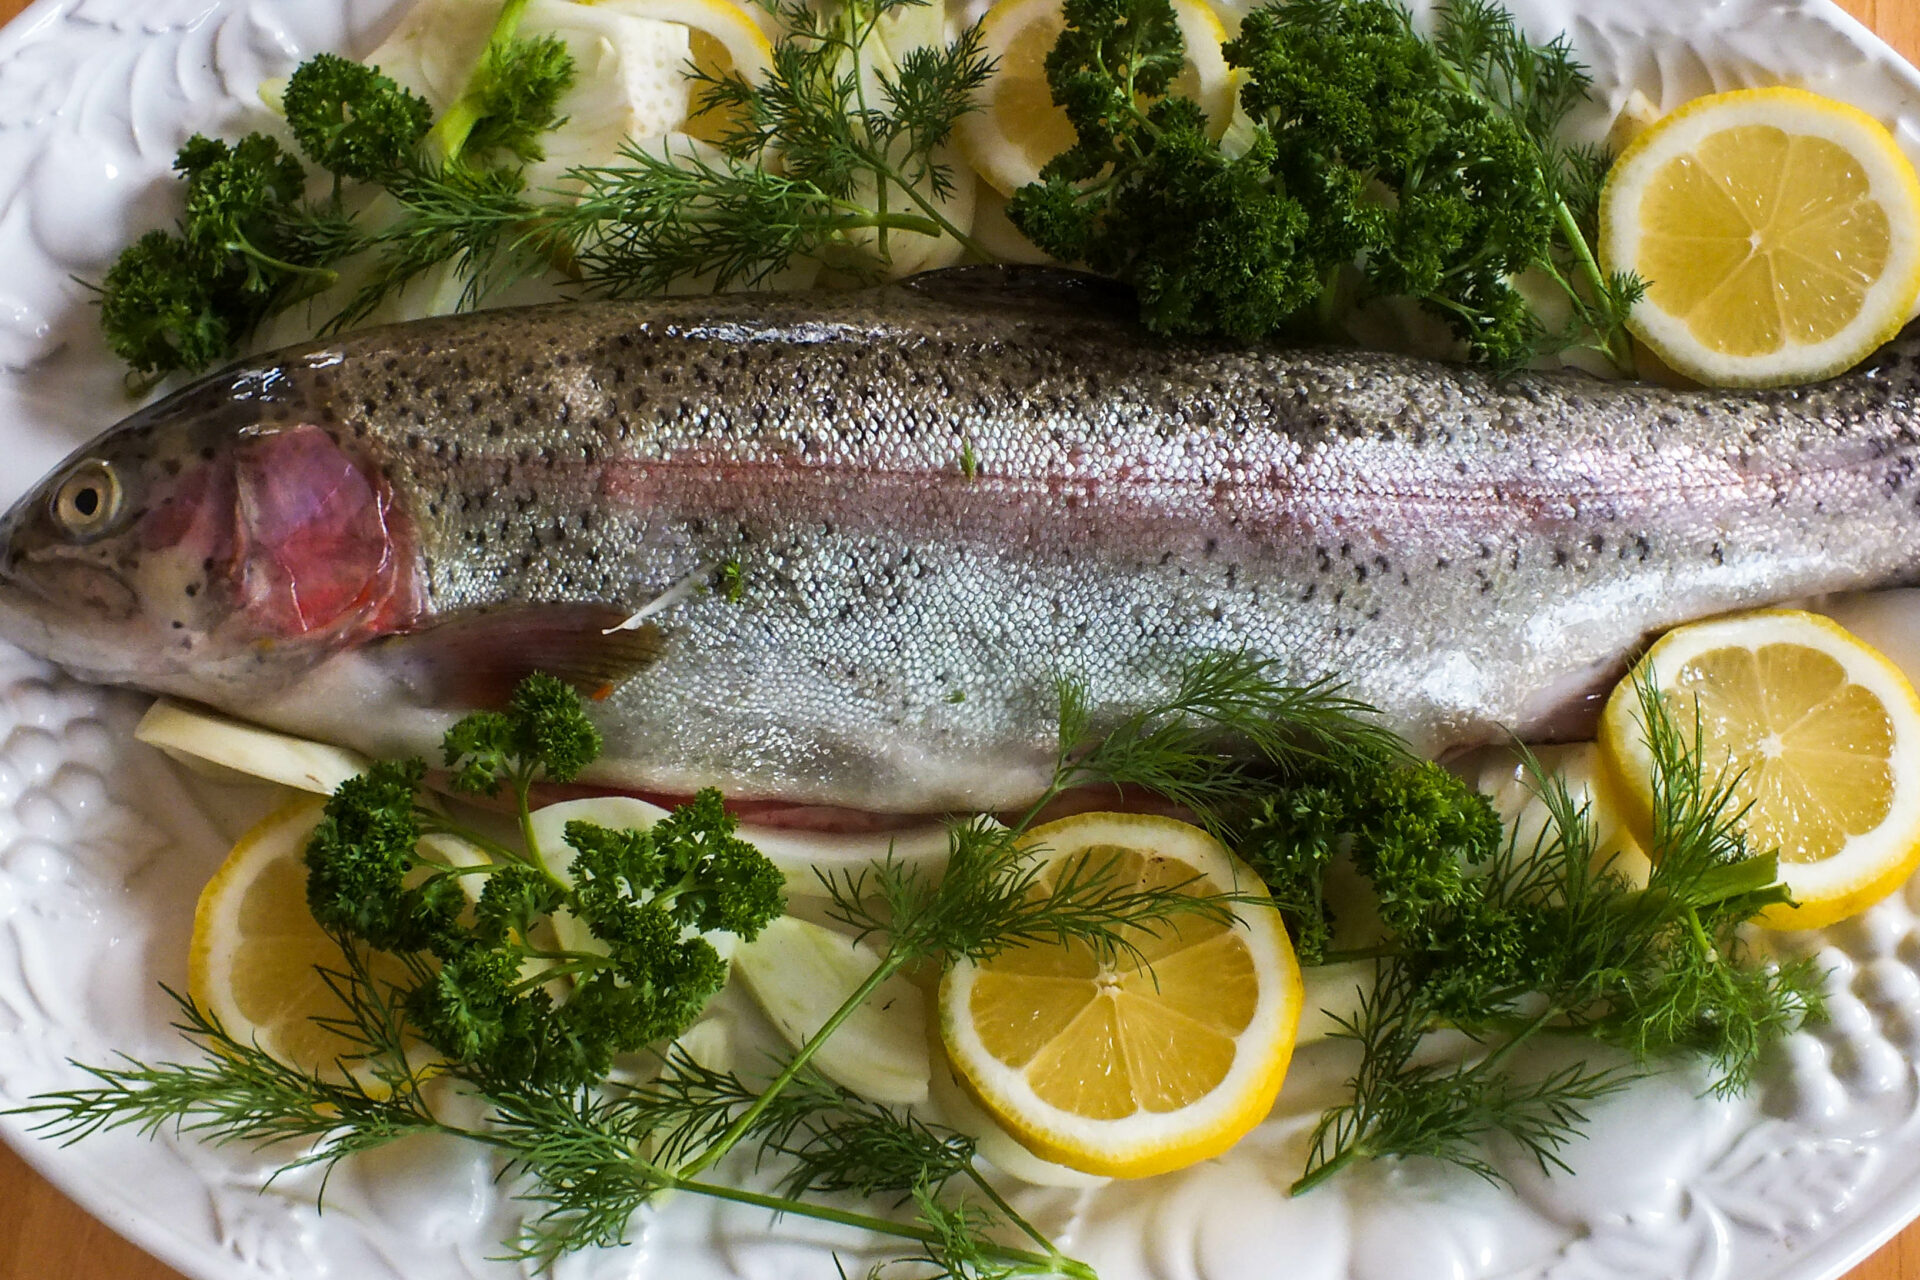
{"x":1017,"y":129}
{"x":256,"y":952}
{"x":1778,"y":233}
{"x":1113,"y":1069}
{"x":1824,"y":734}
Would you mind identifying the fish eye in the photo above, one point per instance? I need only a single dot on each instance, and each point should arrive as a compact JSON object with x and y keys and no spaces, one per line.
{"x":88,"y":499}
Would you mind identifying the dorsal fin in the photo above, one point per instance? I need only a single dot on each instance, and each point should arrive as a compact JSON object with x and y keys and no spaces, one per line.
{"x":1051,"y":288}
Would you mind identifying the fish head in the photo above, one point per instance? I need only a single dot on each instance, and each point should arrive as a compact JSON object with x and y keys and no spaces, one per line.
{"x":214,"y":546}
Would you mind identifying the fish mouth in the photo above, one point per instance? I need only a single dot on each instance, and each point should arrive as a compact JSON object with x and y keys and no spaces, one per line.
{"x":80,"y":589}
{"x":67,"y":612}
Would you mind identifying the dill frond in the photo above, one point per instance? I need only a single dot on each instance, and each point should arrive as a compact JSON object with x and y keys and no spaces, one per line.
{"x":998,"y":891}
{"x":1543,"y":941}
{"x":237,"y":1094}
{"x":823,"y":150}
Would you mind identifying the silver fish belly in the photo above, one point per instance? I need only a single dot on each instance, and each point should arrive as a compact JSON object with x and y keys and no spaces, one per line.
{"x":875,"y":529}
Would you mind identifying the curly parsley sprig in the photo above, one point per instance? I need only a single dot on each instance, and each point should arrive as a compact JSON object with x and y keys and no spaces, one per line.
{"x":248,"y":245}
{"x":482,"y":970}
{"x":1376,"y":162}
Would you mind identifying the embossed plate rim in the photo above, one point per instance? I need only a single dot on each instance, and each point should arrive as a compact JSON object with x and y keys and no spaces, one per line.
{"x":88,"y":1175}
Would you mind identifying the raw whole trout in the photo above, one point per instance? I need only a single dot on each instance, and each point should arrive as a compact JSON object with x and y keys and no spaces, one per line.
{"x":856,"y":538}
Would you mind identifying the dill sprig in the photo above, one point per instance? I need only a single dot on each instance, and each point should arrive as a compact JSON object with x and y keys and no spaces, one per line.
{"x":1216,"y":741}
{"x":829,"y":146}
{"x":1405,"y":1106}
{"x":1544,"y":941}
{"x":482,"y":222}
{"x":995,"y":892}
{"x":237,"y":1094}
{"x":833,"y":1139}
{"x":653,"y":221}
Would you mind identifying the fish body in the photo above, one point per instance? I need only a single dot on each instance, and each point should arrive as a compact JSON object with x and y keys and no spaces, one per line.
{"x":869,"y":532}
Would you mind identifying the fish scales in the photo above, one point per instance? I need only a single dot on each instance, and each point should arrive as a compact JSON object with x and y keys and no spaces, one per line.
{"x":882,"y":525}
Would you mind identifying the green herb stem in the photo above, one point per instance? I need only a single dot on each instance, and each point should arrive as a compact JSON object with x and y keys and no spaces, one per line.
{"x":1350,"y":1154}
{"x":743,"y":1124}
{"x":935,"y":221}
{"x":1014,"y":1216}
{"x":435,"y":822}
{"x":523,"y":811}
{"x":449,"y":133}
{"x":1042,"y":1264}
{"x":1615,"y":344}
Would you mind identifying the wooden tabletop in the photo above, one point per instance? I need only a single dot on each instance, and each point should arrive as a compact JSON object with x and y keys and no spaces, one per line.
{"x":44,"y":1234}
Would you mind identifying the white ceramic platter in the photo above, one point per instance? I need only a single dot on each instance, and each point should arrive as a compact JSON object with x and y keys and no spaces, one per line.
{"x":103,"y":846}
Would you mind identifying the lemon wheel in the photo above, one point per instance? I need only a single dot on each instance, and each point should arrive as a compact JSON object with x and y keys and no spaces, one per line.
{"x":1110,"y":1068}
{"x":1017,"y":128}
{"x":1821,"y":736}
{"x":257,"y":955}
{"x":1778,"y":233}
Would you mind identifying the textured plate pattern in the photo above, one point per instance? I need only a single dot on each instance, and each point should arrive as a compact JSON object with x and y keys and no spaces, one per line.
{"x":103,"y":846}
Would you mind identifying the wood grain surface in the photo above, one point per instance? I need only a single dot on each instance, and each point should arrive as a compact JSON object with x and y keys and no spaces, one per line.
{"x":44,"y":1234}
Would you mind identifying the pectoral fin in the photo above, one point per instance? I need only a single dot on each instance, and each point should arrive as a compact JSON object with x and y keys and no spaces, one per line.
{"x":474,"y":658}
{"x":1054,"y":289}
